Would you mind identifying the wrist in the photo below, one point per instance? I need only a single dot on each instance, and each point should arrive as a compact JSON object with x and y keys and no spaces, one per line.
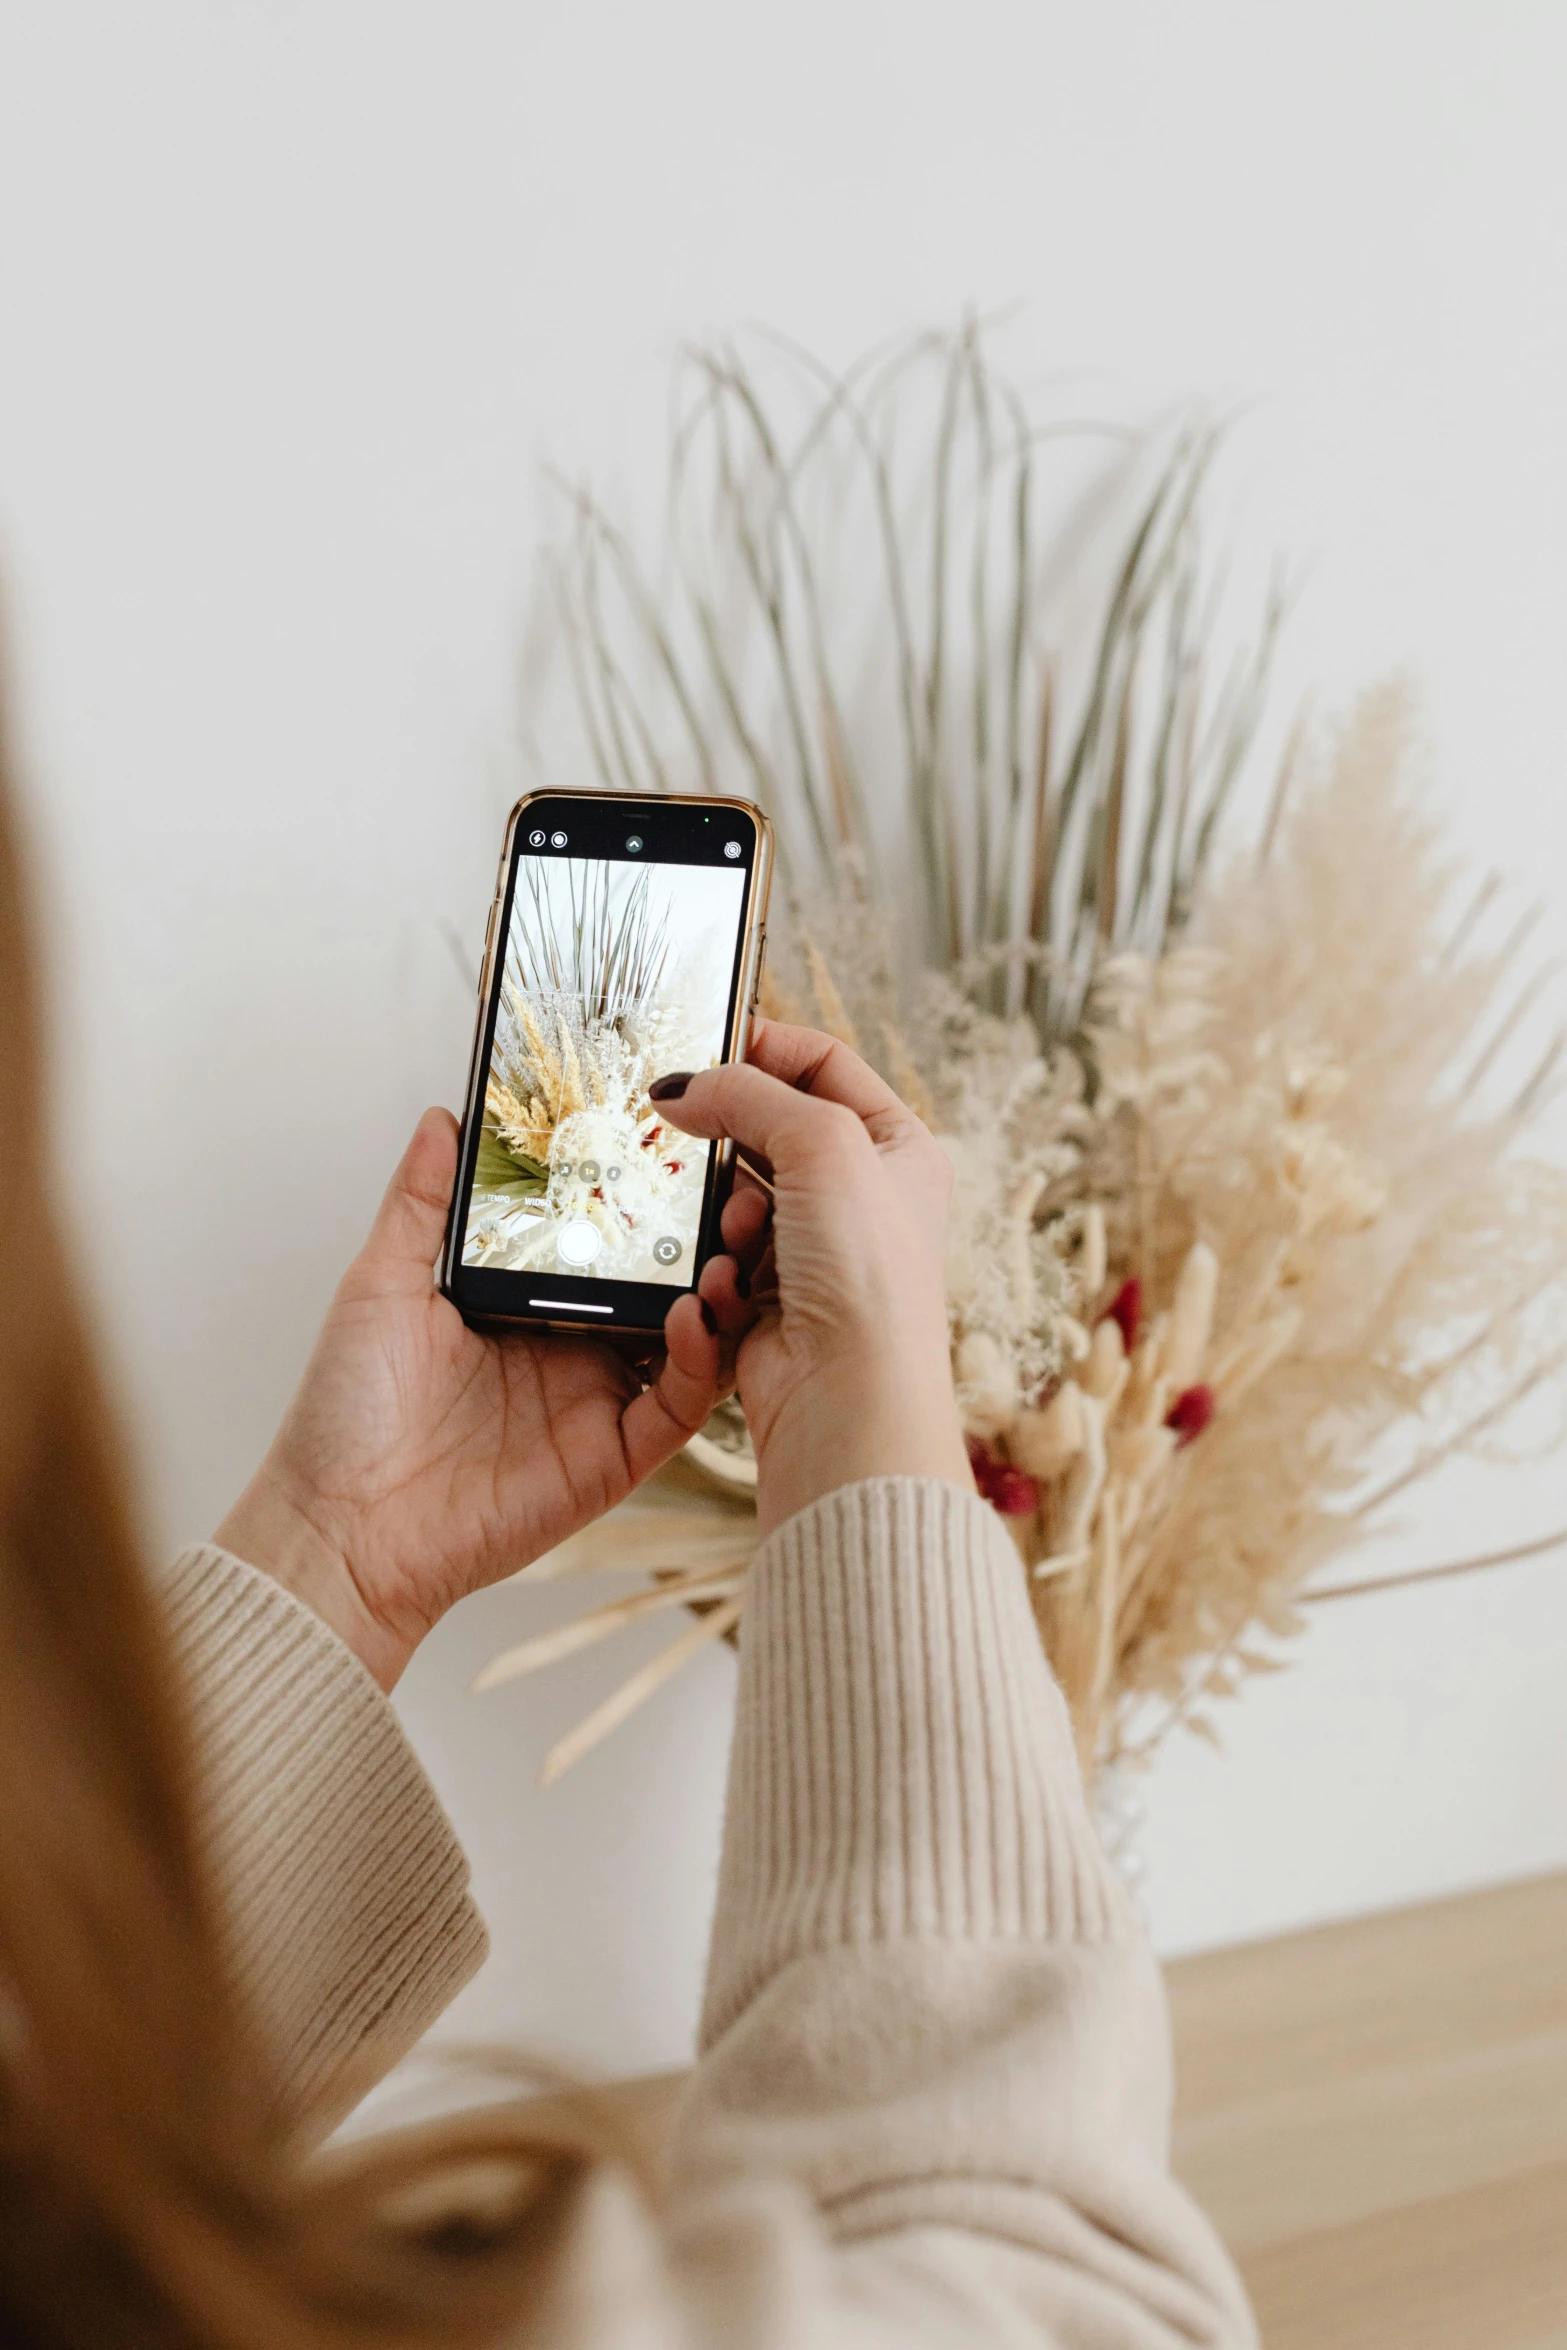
{"x":271,"y":1530}
{"x":848,"y":1425}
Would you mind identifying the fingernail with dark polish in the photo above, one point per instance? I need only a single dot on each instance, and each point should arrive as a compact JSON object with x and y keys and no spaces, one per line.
{"x":709,"y":1318}
{"x":670,"y":1088}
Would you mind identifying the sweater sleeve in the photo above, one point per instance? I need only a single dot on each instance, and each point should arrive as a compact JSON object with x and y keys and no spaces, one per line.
{"x":343,"y":1890}
{"x":931,"y":2006}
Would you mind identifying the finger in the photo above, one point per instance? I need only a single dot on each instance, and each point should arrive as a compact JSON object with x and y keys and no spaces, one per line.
{"x":744,"y":1220}
{"x":760,"y":1282}
{"x":823,"y":1066}
{"x":656,"y":1423}
{"x":410,"y":1224}
{"x":727,"y":1291}
{"x":764,"y":1113}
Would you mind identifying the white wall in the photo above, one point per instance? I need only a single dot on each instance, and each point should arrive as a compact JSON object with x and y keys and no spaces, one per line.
{"x":293,"y":296}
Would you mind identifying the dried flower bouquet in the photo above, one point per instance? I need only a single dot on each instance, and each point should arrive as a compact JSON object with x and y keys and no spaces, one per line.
{"x":1243,"y":1244}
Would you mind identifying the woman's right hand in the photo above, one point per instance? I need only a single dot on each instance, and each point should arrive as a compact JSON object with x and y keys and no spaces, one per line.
{"x":845,"y":1371}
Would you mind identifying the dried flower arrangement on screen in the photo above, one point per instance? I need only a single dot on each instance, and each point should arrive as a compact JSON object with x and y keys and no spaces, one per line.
{"x":594,"y":1004}
{"x":1243,"y":1241}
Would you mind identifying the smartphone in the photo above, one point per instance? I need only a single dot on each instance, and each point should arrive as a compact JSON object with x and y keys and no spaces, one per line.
{"x":625,"y":940}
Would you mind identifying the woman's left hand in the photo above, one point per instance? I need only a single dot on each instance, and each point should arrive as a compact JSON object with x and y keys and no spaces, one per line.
{"x":421,"y":1460}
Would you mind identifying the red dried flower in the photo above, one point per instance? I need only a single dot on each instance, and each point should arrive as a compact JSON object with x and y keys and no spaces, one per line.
{"x":1005,"y":1488}
{"x":1191,"y":1412}
{"x":1012,"y":1493}
{"x":1126,"y":1311}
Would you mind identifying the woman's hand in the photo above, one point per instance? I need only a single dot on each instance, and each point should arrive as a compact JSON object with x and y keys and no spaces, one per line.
{"x":420,"y":1461}
{"x":845,"y":1372}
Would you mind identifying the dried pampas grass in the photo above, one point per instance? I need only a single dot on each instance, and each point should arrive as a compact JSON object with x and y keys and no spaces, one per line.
{"x":1345,"y":1260}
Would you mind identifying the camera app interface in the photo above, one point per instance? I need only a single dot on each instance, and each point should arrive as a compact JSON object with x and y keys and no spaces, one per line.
{"x":615,"y":972}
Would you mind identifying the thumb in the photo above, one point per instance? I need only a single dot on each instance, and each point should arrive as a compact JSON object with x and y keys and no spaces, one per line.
{"x":741,"y":1103}
{"x":410,"y":1223}
{"x":793,"y":1093}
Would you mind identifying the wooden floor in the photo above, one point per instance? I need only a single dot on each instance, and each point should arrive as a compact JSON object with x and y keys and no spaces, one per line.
{"x":1375,"y":2114}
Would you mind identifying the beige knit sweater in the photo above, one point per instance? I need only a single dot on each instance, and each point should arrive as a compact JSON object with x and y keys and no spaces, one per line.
{"x":931,"y":2106}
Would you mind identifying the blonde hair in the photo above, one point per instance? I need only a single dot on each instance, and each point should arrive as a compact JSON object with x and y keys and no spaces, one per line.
{"x":151,"y":2191}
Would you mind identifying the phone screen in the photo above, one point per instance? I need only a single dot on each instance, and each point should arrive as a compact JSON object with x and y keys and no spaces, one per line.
{"x":617,"y":955}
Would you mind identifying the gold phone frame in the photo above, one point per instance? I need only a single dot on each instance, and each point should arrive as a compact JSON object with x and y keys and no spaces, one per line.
{"x":746,"y":995}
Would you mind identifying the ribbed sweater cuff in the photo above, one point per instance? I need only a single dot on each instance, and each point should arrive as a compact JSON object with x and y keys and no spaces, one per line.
{"x":903,"y":1763}
{"x":344,"y":1889}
